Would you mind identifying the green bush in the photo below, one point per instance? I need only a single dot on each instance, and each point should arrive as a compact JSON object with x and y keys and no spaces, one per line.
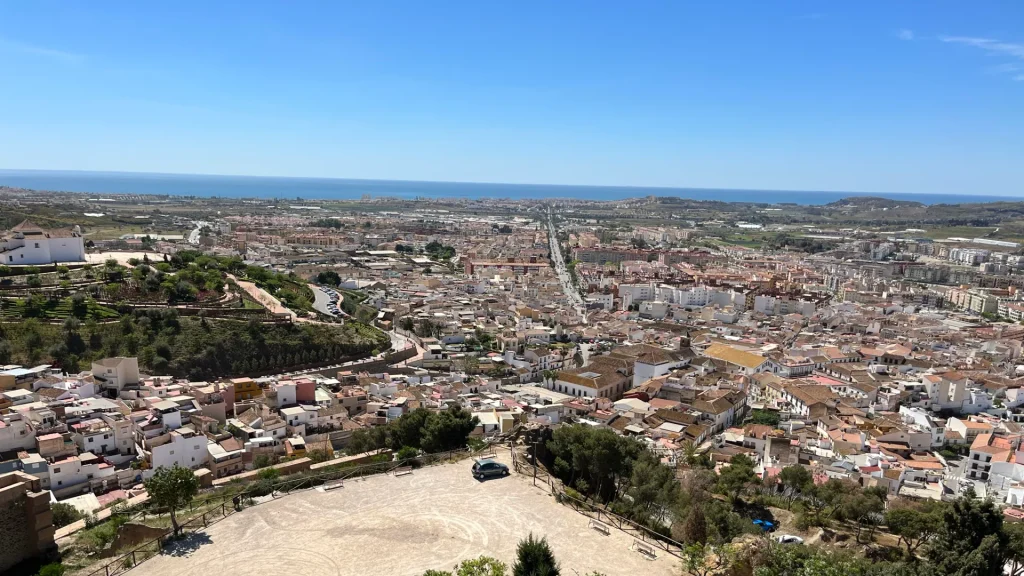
{"x":268,"y":474}
{"x":262,"y":487}
{"x":407,"y":452}
{"x":56,"y":569}
{"x":64,"y":514}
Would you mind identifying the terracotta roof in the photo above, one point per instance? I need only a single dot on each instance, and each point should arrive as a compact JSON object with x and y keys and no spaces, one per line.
{"x":734,"y":356}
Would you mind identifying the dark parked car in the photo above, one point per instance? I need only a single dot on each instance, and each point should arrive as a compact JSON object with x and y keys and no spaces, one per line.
{"x":486,"y":468}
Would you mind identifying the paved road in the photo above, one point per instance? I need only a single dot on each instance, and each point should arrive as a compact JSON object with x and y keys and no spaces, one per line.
{"x":563,"y":273}
{"x":193,"y":236}
{"x":320,"y":300}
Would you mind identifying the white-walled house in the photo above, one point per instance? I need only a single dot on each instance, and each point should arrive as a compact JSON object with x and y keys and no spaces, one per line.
{"x":116,"y":373}
{"x":182,"y":447}
{"x":29,"y":245}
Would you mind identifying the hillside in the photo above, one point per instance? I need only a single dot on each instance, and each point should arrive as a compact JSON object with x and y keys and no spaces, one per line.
{"x":194,"y":348}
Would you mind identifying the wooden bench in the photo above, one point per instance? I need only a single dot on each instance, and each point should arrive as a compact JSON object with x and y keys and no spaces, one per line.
{"x":645,"y":549}
{"x":329,"y":487}
{"x":402,"y":471}
{"x":600,"y":527}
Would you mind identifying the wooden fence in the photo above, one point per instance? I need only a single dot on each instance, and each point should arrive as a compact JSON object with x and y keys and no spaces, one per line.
{"x":594,"y":511}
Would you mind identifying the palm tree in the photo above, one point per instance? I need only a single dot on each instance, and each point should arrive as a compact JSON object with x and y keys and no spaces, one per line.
{"x":690,"y":450}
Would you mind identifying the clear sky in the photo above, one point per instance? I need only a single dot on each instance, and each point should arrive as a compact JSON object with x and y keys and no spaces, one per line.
{"x":860,"y":96}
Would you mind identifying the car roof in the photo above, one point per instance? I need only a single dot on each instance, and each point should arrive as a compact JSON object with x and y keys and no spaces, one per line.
{"x":485,"y":461}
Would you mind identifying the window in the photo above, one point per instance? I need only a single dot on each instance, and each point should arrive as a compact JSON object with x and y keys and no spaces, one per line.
{"x":56,"y":470}
{"x":37,"y":244}
{"x":172,"y":452}
{"x":105,"y":436}
{"x":60,"y":482}
{"x":91,"y":439}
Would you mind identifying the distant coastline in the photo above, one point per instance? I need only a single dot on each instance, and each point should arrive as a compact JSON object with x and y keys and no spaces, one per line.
{"x":352,"y":189}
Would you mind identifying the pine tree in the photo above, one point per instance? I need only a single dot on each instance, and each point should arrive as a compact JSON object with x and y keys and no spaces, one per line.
{"x":695,"y":530}
{"x":535,"y":558}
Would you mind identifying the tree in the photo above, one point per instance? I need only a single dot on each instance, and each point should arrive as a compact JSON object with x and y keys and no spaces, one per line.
{"x":482,"y":566}
{"x":448,"y":430}
{"x":366,"y":440}
{"x":329,"y":277}
{"x":971,"y":540}
{"x":407,"y":430}
{"x":1015,"y":548}
{"x":864,"y":508}
{"x":172,"y":488}
{"x":652,"y":489}
{"x":705,"y":559}
{"x":695,"y":529}
{"x":690,"y":452}
{"x":914,"y":523}
{"x":535,"y":558}
{"x":765,"y":417}
{"x":791,"y":560}
{"x":735,"y":477}
{"x":591,"y":460}
{"x":822,"y":501}
{"x":64,"y":514}
{"x":795,"y":480}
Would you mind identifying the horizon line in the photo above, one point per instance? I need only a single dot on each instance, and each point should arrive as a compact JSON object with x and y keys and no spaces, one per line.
{"x":493,"y":183}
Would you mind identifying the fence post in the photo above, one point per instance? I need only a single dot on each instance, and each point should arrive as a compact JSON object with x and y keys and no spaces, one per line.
{"x":106,"y":569}
{"x":133,"y":558}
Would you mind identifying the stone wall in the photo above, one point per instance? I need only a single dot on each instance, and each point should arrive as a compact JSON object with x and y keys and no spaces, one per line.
{"x":26,"y":522}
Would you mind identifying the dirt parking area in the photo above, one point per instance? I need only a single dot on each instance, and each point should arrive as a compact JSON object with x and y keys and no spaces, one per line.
{"x":403,"y":526}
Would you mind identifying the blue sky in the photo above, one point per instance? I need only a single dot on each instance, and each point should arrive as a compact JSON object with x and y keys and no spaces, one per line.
{"x":849,"y":96}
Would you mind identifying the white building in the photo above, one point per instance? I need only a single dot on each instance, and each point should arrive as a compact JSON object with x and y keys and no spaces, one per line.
{"x":182,"y":447}
{"x":27,"y":244}
{"x":116,"y":373}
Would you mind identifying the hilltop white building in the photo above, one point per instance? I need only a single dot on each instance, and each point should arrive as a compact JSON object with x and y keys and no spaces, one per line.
{"x":27,"y":244}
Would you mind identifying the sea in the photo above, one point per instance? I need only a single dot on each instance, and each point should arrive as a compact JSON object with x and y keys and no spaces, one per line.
{"x":207,"y":186}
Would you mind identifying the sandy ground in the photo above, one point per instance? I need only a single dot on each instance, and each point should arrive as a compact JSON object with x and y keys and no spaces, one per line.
{"x":263,"y":297}
{"x":121,"y":257}
{"x":403,"y":526}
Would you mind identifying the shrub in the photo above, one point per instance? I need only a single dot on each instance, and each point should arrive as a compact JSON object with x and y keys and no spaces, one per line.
{"x":269,"y":474}
{"x":56,"y":569}
{"x":407,"y":452}
{"x":64,"y":514}
{"x":262,"y":487}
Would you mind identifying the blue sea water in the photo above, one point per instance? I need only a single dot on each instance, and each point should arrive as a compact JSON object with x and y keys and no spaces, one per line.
{"x":335,"y":188}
